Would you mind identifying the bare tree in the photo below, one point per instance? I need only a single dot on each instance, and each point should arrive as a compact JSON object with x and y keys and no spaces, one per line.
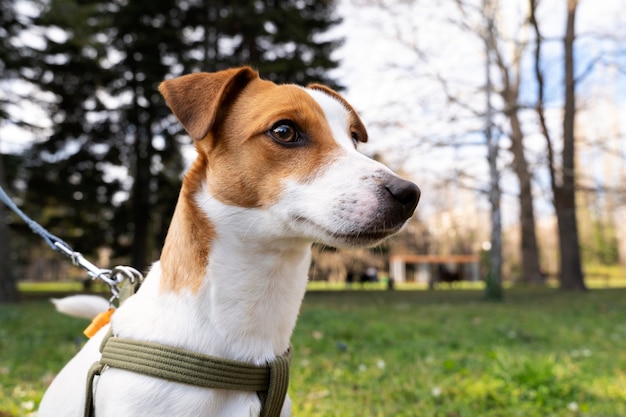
{"x":510,"y":79}
{"x":461,"y":89}
{"x":503,"y":58}
{"x":563,"y":181}
{"x":508,"y":89}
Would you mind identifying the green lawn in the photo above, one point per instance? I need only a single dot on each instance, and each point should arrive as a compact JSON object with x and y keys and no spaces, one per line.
{"x":403,"y":353}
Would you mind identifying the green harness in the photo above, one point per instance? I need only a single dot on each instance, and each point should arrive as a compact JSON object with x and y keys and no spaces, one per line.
{"x":270,"y":382}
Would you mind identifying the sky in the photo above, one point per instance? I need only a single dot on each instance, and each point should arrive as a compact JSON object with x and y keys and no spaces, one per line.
{"x":394,"y":57}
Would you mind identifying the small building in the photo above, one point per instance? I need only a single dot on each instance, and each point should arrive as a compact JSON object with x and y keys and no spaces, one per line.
{"x":423,"y":267}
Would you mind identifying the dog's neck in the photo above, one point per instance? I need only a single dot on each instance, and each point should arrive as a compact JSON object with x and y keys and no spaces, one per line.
{"x":255,"y":294}
{"x":237,"y":291}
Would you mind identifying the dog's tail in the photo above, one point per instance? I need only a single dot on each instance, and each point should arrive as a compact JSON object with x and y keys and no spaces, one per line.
{"x":84,"y":306}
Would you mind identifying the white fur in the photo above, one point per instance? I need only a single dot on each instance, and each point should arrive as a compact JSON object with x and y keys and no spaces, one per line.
{"x":248,"y":303}
{"x":84,"y":306}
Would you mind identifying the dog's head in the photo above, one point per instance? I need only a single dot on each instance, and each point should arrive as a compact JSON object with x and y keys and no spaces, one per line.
{"x":289,"y":154}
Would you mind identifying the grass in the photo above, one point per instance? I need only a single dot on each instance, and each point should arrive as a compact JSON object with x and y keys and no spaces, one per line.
{"x":540,"y":353}
{"x":398,"y":354}
{"x":35,"y":342}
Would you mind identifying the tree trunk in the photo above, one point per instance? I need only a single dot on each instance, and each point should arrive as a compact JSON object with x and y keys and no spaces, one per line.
{"x":141,"y":198}
{"x":8,"y":284}
{"x":493,"y":287}
{"x":211,"y":35}
{"x":563,"y":187}
{"x":531,"y":271}
{"x":565,"y":196}
{"x":141,"y":184}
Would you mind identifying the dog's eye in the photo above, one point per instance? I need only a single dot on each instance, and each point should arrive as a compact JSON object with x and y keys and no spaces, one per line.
{"x":285,"y":132}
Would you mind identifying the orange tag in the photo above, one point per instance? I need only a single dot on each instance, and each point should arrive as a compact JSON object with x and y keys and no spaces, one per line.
{"x":98,"y":322}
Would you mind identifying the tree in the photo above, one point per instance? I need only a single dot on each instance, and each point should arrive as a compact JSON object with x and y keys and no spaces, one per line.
{"x":563,"y":181}
{"x":508,"y":88}
{"x":282,"y":39}
{"x":64,"y":168}
{"x":504,"y":53}
{"x":510,"y":80}
{"x":493,"y":287}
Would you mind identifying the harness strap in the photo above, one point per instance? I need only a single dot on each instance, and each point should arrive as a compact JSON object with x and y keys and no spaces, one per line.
{"x":96,"y":369}
{"x":272,"y":400}
{"x":183,"y":366}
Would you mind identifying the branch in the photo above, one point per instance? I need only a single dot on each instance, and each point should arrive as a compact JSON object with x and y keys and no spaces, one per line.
{"x":539,"y":108}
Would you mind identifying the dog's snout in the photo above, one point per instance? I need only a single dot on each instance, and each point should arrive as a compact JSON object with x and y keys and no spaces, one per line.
{"x":404,"y":192}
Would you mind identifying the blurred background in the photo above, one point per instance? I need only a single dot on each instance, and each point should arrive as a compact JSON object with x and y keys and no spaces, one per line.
{"x":507,"y":114}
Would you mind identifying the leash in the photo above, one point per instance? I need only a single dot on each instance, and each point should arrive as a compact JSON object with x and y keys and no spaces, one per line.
{"x":270,"y":382}
{"x":112,"y":277}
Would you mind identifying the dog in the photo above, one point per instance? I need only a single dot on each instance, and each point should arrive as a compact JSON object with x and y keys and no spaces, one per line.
{"x":277,"y":169}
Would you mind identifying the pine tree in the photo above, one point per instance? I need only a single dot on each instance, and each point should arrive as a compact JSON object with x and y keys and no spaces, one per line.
{"x":66,"y":170}
{"x":283,"y":39}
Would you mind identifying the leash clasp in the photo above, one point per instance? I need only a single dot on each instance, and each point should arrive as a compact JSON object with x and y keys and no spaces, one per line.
{"x":112,"y":277}
{"x":118,"y":275}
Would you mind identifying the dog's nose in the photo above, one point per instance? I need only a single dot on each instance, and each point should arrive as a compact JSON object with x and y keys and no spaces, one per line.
{"x":404,"y":192}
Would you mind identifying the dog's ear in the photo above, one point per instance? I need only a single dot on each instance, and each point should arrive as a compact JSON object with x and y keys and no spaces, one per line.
{"x":356,"y":124}
{"x":195,"y":99}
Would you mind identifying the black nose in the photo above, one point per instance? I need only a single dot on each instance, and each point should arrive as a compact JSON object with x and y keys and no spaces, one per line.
{"x":404,"y":192}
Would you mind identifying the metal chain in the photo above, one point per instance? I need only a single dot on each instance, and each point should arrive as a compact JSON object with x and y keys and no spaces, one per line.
{"x":113,"y":278}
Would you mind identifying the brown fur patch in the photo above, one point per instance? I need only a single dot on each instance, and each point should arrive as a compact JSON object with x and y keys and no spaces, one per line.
{"x":195,"y":99}
{"x":186,"y":250}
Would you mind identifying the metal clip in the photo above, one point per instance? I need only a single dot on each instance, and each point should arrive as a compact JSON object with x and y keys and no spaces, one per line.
{"x":118,"y":275}
{"x":126,"y":272}
{"x":113,"y":278}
